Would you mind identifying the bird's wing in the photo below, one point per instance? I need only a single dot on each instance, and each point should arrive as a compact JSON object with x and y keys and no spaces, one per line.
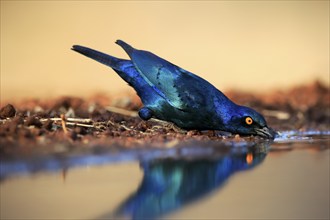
{"x":182,"y":89}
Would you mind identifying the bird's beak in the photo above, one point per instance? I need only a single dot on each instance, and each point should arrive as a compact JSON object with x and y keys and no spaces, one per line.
{"x":266,"y":132}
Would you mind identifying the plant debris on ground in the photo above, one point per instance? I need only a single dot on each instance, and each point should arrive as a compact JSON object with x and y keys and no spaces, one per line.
{"x":42,"y":125}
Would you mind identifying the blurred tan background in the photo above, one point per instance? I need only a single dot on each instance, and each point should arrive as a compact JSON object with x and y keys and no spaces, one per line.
{"x":251,"y":46}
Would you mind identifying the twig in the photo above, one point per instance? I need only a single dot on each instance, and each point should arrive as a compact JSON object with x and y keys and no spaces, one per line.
{"x":278,"y":114}
{"x":100,"y":125}
{"x":63,"y":124}
{"x":122,"y":111}
{"x":125,"y":127}
{"x":81,"y":125}
{"x":81,"y":120}
{"x":110,"y":122}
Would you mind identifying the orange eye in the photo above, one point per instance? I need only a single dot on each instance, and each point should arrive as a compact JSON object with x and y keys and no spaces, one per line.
{"x":249,"y":158}
{"x":248,"y":120}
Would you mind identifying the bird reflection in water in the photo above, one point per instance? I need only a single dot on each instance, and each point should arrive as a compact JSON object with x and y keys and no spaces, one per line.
{"x":170,"y":184}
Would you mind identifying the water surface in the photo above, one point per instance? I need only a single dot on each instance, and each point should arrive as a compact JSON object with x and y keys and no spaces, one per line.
{"x":285,"y":179}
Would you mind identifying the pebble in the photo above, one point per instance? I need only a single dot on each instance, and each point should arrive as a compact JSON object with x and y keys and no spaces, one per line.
{"x":7,"y":111}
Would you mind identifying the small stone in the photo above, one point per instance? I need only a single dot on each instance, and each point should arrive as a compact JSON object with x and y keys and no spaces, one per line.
{"x":7,"y":111}
{"x":73,"y":135}
{"x":192,"y":133}
{"x":33,"y":121}
{"x":211,"y":133}
{"x":80,"y":130}
{"x":48,"y":125}
{"x":142,"y":126}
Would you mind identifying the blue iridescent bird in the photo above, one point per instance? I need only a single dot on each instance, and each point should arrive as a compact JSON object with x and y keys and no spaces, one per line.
{"x":173,"y":94}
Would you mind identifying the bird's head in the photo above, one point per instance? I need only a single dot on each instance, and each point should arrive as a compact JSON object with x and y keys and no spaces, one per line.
{"x":247,"y":121}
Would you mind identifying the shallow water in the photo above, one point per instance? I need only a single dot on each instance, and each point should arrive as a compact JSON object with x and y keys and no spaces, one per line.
{"x":288,"y":178}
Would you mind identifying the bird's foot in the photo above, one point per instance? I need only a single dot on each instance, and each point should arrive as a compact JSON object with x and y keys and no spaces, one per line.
{"x":169,"y":125}
{"x":145,"y":113}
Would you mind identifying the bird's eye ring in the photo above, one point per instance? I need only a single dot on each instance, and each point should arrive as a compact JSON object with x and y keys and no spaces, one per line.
{"x":248,"y":120}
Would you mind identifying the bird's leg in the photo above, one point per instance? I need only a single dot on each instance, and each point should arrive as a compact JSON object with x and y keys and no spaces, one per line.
{"x":145,"y":113}
{"x":168,"y":125}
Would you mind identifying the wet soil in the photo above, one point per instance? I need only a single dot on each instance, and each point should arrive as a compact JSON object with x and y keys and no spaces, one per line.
{"x":44,"y":126}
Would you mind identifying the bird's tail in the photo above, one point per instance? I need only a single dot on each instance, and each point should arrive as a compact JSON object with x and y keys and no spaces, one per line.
{"x":128,"y":48}
{"x":103,"y":58}
{"x":125,"y":69}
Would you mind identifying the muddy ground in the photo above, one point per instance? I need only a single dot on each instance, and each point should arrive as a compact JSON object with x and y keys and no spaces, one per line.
{"x":44,"y":126}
